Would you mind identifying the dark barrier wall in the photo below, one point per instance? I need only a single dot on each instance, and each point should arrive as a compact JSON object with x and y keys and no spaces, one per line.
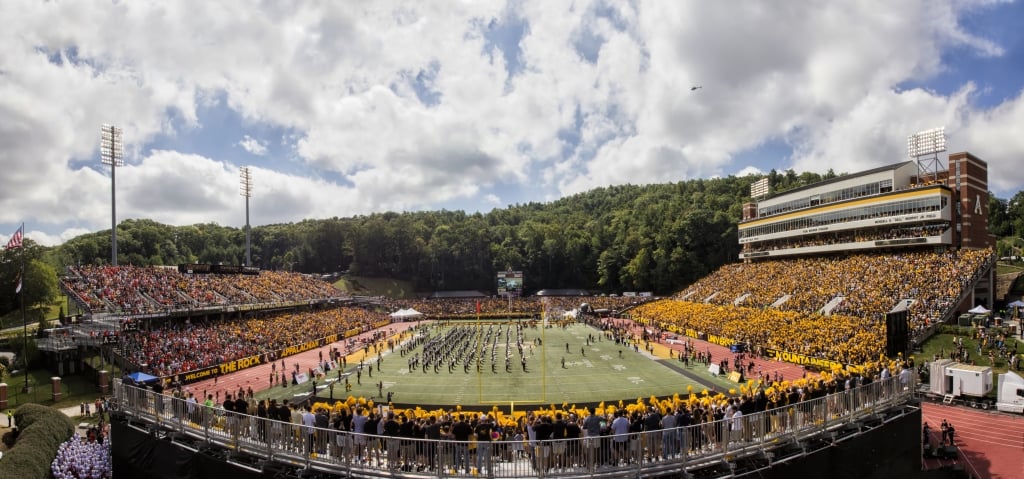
{"x":137,"y":454}
{"x":890,"y":451}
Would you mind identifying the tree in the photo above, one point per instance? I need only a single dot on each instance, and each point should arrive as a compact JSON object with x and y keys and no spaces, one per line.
{"x":30,"y":255}
{"x":1015,"y":214}
{"x":39,"y":284}
{"x":998,"y":216}
{"x":18,"y":343}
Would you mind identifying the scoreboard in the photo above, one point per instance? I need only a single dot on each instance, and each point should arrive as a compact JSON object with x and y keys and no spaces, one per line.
{"x":510,"y":283}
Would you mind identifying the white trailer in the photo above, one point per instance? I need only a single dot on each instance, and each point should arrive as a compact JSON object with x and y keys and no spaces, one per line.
{"x":1011,"y":393}
{"x":949,"y":378}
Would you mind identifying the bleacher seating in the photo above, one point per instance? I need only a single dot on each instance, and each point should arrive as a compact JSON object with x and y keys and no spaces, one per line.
{"x":130,"y":290}
{"x":870,"y":284}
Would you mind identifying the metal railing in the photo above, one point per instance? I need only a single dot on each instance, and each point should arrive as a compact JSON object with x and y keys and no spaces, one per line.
{"x":645,"y":454}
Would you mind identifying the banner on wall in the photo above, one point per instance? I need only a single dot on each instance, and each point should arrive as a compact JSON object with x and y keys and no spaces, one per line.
{"x":252,"y":361}
{"x":805,"y":360}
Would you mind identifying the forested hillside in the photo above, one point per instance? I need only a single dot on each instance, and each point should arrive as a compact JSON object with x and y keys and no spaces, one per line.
{"x":620,"y":238}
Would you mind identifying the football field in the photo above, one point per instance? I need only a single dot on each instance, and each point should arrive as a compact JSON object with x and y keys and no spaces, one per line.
{"x":562,"y":366}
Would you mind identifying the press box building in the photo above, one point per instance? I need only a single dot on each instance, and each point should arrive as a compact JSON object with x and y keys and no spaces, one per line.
{"x":896,"y":206}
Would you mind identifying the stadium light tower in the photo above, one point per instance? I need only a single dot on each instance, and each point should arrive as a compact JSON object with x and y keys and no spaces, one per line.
{"x":112,"y":153}
{"x":924,"y":147}
{"x":245,"y":189}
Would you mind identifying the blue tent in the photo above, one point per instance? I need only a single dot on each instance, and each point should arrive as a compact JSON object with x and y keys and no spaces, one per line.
{"x":141,"y":377}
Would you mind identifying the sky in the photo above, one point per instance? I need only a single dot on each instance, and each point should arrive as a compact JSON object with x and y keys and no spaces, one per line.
{"x":346,"y":108}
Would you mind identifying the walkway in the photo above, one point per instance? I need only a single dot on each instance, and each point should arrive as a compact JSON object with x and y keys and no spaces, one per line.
{"x":258,"y":378}
{"x":788,"y":371}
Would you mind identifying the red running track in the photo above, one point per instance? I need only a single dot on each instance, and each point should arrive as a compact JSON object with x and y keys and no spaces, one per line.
{"x":788,"y":371}
{"x":991,"y":443}
{"x":258,"y":378}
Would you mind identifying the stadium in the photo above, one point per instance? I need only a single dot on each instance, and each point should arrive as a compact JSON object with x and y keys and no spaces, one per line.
{"x":795,"y":359}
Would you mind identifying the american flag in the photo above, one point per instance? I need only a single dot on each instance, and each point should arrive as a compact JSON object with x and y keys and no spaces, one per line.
{"x":15,"y":241}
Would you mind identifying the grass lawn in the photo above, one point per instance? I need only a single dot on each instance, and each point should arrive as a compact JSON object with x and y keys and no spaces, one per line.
{"x":943,"y":343}
{"x":74,"y":389}
{"x":1004,"y":268}
{"x":598,"y":373}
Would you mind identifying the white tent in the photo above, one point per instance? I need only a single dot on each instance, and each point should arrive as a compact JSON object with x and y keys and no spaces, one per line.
{"x":979,"y":309}
{"x":406,"y":314}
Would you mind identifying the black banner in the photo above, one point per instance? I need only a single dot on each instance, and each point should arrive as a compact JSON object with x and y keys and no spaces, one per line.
{"x":199,"y":374}
{"x":805,"y":360}
{"x":253,"y":361}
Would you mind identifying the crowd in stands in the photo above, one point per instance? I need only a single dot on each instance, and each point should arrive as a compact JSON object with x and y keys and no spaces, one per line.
{"x":136,"y":290}
{"x":849,"y":236}
{"x":179,"y":346}
{"x":846,"y":339}
{"x":867,"y":285}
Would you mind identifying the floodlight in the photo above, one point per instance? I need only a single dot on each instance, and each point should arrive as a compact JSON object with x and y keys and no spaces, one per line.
{"x":926,"y":142}
{"x":245,"y":189}
{"x":112,"y":153}
{"x":924,"y":147}
{"x":111,"y":146}
{"x":245,"y":182}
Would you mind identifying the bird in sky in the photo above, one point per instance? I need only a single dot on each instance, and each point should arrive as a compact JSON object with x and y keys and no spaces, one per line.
{"x":692,"y":88}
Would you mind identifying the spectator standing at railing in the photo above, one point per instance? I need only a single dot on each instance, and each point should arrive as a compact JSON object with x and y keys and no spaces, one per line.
{"x":573,"y":436}
{"x":620,"y":431}
{"x":358,"y":427}
{"x":322,"y":421}
{"x":558,"y":428}
{"x":261,"y":423}
{"x":411,"y":451}
{"x":542,"y":426}
{"x":460,"y":433}
{"x":652,"y":422}
{"x":308,"y":425}
{"x":391,"y":430}
{"x":483,"y":432}
{"x":905,"y":377}
{"x":433,"y":435}
{"x":592,"y":436}
{"x":669,"y":435}
{"x":736,"y":423}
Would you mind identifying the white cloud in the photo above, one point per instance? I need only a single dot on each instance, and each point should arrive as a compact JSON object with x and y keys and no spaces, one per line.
{"x":253,"y":145}
{"x":749,"y":170}
{"x":399,"y":105}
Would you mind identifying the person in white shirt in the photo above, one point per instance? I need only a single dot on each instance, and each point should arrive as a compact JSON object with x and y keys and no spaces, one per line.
{"x":620,"y":432}
{"x":736,"y":424}
{"x":359,"y":431}
{"x":308,"y":423}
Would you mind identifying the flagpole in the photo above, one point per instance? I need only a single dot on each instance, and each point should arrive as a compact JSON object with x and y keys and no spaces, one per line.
{"x":24,"y":319}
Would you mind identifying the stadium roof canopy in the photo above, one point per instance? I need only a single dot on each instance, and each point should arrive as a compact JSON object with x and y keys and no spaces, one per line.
{"x":563,"y":292}
{"x":466,"y":293}
{"x":844,"y":178}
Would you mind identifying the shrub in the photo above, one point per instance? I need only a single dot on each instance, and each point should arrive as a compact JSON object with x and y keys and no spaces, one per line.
{"x":42,"y":430}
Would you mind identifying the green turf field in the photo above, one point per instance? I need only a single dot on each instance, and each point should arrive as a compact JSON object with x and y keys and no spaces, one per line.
{"x":598,"y":373}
